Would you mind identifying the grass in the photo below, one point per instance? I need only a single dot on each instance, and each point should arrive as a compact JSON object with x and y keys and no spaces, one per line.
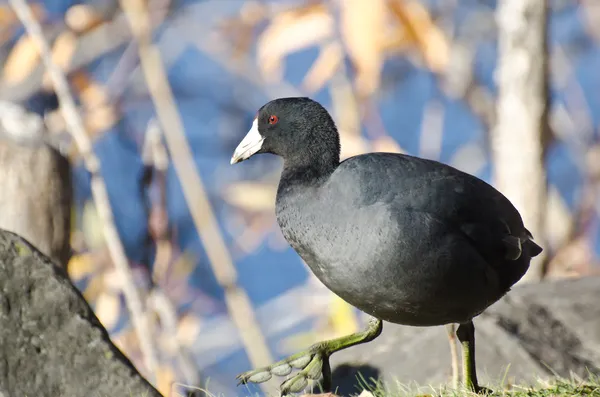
{"x":557,"y":387}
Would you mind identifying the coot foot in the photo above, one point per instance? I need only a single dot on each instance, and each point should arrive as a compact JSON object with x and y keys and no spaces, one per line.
{"x":451,"y":330}
{"x":466,"y":336}
{"x":313,"y":362}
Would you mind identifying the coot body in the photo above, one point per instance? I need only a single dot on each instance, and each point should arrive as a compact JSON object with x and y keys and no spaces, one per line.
{"x":407,"y":240}
{"x":404,"y":239}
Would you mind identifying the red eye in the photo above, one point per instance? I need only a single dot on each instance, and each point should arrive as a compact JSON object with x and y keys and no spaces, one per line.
{"x":273,"y":119}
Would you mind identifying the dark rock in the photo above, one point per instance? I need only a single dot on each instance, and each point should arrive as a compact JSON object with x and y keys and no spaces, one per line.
{"x":51,"y":343}
{"x":536,"y":331}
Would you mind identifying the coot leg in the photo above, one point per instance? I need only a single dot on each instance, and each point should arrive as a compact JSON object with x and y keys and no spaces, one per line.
{"x":312,"y":362}
{"x":451,"y":329}
{"x":466,"y":336}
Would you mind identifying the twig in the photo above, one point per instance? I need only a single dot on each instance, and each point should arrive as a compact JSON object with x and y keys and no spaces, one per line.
{"x":75,"y":126}
{"x":194,"y":192}
{"x":155,"y":155}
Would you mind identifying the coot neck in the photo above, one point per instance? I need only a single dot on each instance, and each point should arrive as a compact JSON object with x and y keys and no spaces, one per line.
{"x":309,"y":168}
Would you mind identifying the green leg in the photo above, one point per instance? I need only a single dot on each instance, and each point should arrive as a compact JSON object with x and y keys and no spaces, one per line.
{"x":466,"y":336}
{"x":312,"y":362}
{"x":451,"y":330}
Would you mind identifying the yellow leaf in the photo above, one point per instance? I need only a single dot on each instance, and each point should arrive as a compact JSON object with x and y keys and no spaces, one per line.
{"x":107,"y":309}
{"x":7,"y":15}
{"x":323,"y":69}
{"x":291,"y":31}
{"x":22,"y":61}
{"x":100,"y":119}
{"x":91,"y":226}
{"x":94,"y":288}
{"x":165,"y":377}
{"x":80,"y":266}
{"x":251,"y":196}
{"x":362,"y":27}
{"x":82,"y":18}
{"x":62,"y":52}
{"x":421,"y":29}
{"x":188,"y":329}
{"x":92,"y":94}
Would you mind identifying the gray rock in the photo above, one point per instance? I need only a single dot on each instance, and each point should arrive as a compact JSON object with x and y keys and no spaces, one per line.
{"x":35,"y":180}
{"x":51,"y":343}
{"x":536,"y":331}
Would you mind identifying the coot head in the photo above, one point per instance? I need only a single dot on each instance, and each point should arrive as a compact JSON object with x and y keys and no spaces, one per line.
{"x":299,"y":130}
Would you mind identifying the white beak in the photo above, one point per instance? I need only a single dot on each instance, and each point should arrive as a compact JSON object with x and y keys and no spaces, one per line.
{"x":251,"y":144}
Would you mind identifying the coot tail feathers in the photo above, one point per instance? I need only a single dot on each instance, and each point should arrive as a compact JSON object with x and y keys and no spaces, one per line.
{"x":532,"y":248}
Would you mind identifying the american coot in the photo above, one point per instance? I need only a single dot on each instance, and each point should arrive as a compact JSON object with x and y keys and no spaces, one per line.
{"x":407,"y":240}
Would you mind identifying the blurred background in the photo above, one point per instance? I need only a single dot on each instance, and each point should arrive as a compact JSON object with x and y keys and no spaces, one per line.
{"x":197,"y":283}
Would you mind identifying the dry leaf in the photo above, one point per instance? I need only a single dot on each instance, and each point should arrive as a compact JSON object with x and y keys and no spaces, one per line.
{"x":362,"y":28}
{"x":188,"y":329}
{"x":22,"y":61}
{"x":251,"y":196}
{"x":94,"y":288}
{"x":291,"y":31}
{"x":100,"y":119}
{"x":62,"y":53}
{"x":108,"y":309}
{"x":82,"y":18}
{"x":127,"y":341}
{"x":421,"y":30}
{"x":165,"y":377}
{"x":323,"y":69}
{"x":91,"y":93}
{"x":80,"y":266}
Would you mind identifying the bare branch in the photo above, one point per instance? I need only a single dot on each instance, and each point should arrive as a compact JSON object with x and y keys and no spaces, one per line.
{"x":75,"y":126}
{"x":236,"y":299}
{"x":155,"y":155}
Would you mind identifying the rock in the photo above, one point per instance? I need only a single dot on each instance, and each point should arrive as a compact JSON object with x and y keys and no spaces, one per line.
{"x":51,"y":343}
{"x":536,"y":331}
{"x":36,"y":193}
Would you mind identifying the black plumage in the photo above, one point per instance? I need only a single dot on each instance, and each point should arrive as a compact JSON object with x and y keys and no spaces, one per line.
{"x":404,"y":239}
